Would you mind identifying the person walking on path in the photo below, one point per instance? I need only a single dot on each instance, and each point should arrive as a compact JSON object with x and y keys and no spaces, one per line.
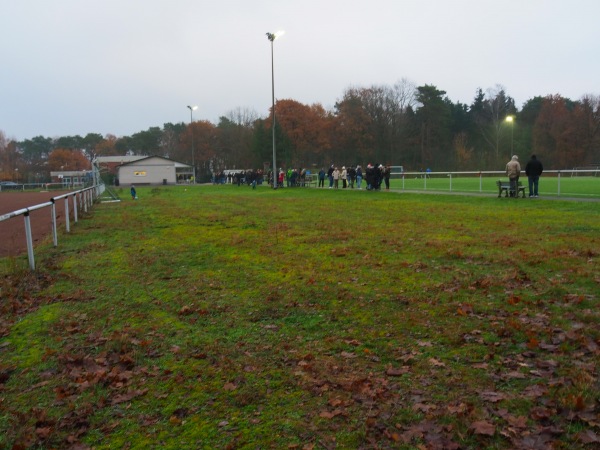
{"x":513,"y":170}
{"x":533,"y":170}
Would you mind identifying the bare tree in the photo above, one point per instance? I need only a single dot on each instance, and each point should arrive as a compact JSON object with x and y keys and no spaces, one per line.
{"x":490,"y":113}
{"x":244,"y":117}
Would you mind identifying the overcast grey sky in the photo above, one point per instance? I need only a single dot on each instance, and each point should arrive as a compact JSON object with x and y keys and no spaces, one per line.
{"x":72,"y":67}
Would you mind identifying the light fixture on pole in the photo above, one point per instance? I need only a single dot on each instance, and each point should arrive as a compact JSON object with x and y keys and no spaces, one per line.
{"x":272,"y":37}
{"x":192,"y":109}
{"x":511,"y":120}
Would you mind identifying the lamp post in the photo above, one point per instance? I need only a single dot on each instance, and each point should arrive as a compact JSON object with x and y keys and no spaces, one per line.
{"x":272,"y":37}
{"x":192,"y":109}
{"x":511,"y":120}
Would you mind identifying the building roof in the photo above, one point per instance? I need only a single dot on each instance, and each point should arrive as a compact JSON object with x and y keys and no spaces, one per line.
{"x":140,"y":161}
{"x":119,"y":159}
{"x":69,"y":173}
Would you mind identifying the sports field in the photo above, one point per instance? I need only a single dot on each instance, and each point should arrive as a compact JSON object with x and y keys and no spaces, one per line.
{"x":550,"y":185}
{"x":13,"y":241}
{"x":226,"y":317}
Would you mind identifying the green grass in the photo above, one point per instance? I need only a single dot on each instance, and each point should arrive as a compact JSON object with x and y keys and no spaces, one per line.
{"x":222,"y":317}
{"x":550,"y":184}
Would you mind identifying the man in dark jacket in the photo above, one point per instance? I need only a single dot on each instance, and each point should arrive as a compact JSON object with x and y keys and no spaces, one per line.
{"x":533,"y":170}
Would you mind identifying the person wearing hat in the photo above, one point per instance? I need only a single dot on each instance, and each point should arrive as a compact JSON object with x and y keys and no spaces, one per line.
{"x":513,"y":170}
{"x":344,"y":177}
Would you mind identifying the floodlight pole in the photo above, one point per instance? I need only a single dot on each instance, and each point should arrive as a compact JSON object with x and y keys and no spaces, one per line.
{"x":511,"y":119}
{"x":192,"y":109}
{"x":272,"y":37}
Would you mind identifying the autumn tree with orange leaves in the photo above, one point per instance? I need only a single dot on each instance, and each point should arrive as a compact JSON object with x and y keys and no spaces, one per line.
{"x":65,"y":159}
{"x":307,"y":127}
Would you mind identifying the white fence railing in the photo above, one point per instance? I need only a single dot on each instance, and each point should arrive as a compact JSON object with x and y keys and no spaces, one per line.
{"x":82,"y":200}
{"x":485,"y":181}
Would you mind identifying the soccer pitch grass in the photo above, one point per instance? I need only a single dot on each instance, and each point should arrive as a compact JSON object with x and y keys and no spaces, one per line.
{"x":549,"y":186}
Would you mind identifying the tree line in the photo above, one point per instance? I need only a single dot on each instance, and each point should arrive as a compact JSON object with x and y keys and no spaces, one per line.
{"x":400,"y":124}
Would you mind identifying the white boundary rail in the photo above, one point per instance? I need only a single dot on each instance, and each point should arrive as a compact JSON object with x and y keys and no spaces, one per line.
{"x":82,"y":200}
{"x":481,"y":175}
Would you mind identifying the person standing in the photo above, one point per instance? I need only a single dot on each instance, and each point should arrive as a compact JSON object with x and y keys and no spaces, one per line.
{"x":344,"y":177}
{"x":351,"y":176}
{"x":133,"y":193}
{"x":533,"y":170}
{"x":513,"y":170}
{"x":387,"y":172}
{"x":336,"y":177}
{"x":369,"y":176}
{"x":322,"y":178}
{"x":330,"y":176}
{"x":359,"y":176}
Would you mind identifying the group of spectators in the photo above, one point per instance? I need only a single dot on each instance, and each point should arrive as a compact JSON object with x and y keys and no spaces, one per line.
{"x":533,"y":170}
{"x":373,"y":176}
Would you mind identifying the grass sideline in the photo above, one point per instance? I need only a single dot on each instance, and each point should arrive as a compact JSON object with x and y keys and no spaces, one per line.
{"x":222,"y":317}
{"x":584,"y":187}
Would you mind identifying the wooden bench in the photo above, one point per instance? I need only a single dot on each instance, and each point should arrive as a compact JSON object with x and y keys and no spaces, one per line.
{"x":505,"y":186}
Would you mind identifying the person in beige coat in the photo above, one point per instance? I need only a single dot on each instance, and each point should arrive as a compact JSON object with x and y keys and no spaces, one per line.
{"x":336,"y":178}
{"x":513,"y":170}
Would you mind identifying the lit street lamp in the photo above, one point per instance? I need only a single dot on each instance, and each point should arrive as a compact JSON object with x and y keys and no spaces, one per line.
{"x":511,"y":120}
{"x":272,"y":37}
{"x":192,"y":109}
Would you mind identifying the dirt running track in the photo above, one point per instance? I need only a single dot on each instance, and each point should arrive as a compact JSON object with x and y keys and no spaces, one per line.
{"x":12,"y":231}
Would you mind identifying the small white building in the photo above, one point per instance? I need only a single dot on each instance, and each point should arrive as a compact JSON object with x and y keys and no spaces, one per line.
{"x":71,"y":178}
{"x":154,"y":170}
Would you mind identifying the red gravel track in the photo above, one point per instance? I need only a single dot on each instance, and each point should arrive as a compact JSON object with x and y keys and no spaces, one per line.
{"x":12,"y":231}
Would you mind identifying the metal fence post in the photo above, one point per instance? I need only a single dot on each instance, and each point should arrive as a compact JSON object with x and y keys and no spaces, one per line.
{"x":54,"y":225}
{"x":67,"y":219}
{"x":75,"y":207}
{"x":29,"y":241}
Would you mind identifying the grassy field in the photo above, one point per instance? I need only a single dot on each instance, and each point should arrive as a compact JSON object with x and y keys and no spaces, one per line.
{"x":226,"y":317}
{"x":550,"y":185}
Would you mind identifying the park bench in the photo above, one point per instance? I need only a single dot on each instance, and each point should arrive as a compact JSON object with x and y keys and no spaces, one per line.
{"x":310,"y":181}
{"x":505,"y":186}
